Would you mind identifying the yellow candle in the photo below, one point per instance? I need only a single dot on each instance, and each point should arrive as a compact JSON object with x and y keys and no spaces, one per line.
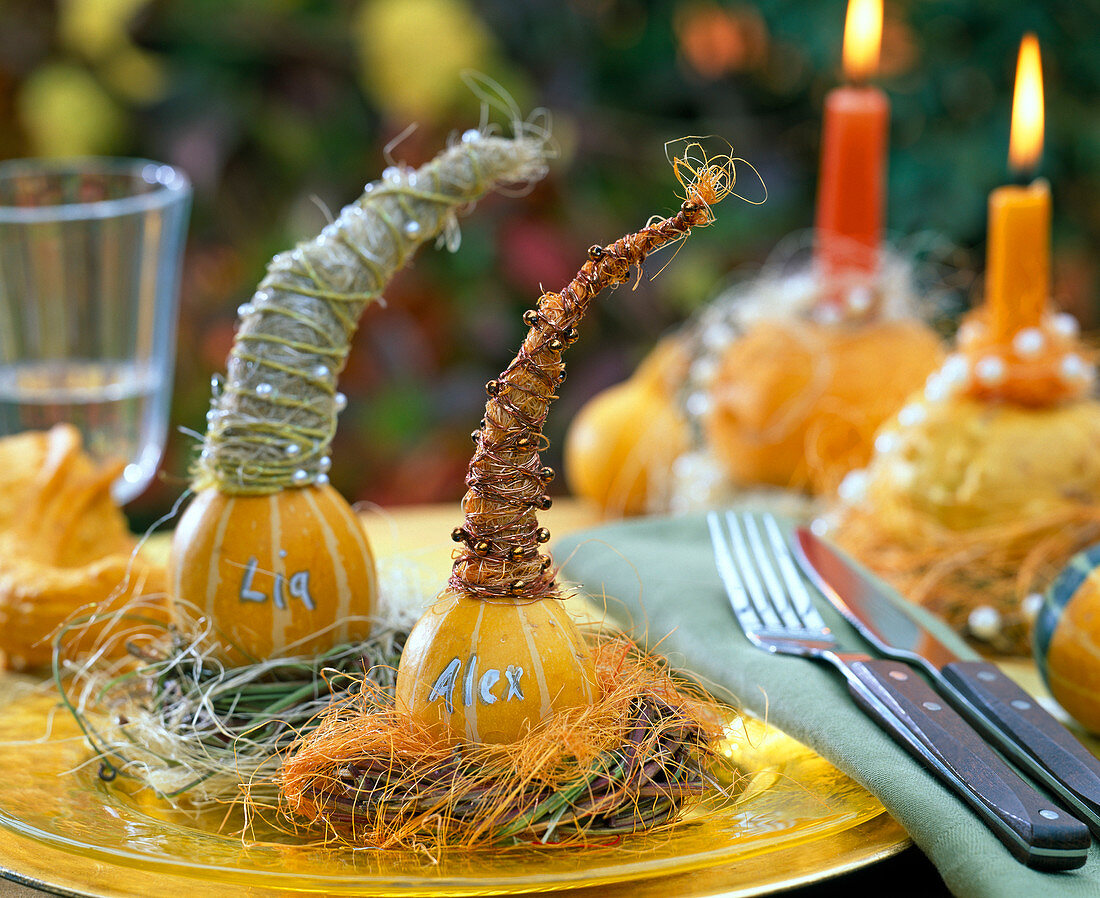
{"x":1018,"y":260}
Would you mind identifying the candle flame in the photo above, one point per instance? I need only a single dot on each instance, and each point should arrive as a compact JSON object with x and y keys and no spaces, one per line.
{"x":862,"y":38}
{"x":1025,"y":145}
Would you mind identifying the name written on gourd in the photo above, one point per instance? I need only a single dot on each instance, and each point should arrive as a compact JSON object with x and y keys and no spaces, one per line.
{"x":447,"y":681}
{"x":297,"y":587}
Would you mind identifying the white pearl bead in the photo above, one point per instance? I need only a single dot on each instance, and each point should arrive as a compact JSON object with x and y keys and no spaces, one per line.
{"x":886,"y":442}
{"x":936,"y":389}
{"x":245,"y":309}
{"x":853,"y":488}
{"x":991,"y":370}
{"x":984,"y":622}
{"x":321,"y":372}
{"x":860,"y":299}
{"x":264,"y":389}
{"x":697,"y":404}
{"x":956,"y":369}
{"x":321,"y":479}
{"x":292,"y":449}
{"x":912,"y":415}
{"x":1031,"y":605}
{"x":325,"y":464}
{"x":412,"y":228}
{"x":392,"y":174}
{"x":471,"y":135}
{"x":1028,"y":342}
{"x":1065,"y":325}
{"x":300,"y":476}
{"x":340,"y":401}
{"x":1073,"y":367}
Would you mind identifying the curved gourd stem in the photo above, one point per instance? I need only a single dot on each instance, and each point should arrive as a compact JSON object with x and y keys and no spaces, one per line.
{"x":271,"y":425}
{"x":500,"y":558}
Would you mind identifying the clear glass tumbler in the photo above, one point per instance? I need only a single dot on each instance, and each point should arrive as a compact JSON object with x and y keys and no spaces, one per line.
{"x":90,"y":253}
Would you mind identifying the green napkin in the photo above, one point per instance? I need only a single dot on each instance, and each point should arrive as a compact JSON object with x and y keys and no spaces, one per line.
{"x":659,"y":577}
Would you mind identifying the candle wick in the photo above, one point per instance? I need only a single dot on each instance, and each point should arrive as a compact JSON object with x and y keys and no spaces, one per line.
{"x":1022,"y":177}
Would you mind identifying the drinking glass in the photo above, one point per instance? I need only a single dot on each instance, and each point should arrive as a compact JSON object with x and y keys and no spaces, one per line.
{"x":90,"y":253}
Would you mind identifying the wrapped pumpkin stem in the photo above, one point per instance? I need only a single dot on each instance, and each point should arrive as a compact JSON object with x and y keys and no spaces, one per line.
{"x":272,"y":421}
{"x":500,"y":558}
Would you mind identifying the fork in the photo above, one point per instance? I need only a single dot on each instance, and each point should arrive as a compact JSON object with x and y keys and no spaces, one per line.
{"x":774,"y":606}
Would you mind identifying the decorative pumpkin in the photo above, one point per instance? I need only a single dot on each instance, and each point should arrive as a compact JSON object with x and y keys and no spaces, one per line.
{"x":268,"y":550}
{"x":288,"y":569}
{"x":1066,"y":640}
{"x":621,"y":445}
{"x":795,"y":403}
{"x":497,"y":654}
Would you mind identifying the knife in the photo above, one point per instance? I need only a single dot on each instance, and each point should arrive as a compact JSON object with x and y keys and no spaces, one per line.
{"x":1000,"y":710}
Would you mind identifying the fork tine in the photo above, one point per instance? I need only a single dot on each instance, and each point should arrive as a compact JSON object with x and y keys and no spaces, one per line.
{"x":727,"y":568}
{"x":743,"y":558}
{"x":767,"y":566}
{"x":796,"y":587}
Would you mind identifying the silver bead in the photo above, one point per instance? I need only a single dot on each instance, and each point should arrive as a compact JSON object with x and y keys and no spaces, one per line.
{"x":216,"y":384}
{"x":292,"y":450}
{"x":340,"y":401}
{"x":261,"y":297}
{"x":245,"y":309}
{"x":325,"y":464}
{"x":321,"y":479}
{"x":300,"y":476}
{"x":392,"y":175}
{"x":264,"y":389}
{"x":369,"y":188}
{"x":412,"y":228}
{"x":321,"y":372}
{"x":471,"y":135}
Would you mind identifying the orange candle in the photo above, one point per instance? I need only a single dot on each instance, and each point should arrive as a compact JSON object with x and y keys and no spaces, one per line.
{"x":1018,"y":255}
{"x":852,"y":186}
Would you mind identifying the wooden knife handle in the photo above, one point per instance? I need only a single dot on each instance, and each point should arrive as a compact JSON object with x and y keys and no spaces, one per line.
{"x":1037,"y":832}
{"x":1028,"y":734}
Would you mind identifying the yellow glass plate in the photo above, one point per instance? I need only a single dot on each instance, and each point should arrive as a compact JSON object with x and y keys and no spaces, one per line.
{"x":67,"y":829}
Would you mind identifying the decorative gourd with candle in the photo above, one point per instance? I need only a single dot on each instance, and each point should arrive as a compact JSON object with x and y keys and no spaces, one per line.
{"x":497,"y":654}
{"x":268,"y":551}
{"x":986,"y":482}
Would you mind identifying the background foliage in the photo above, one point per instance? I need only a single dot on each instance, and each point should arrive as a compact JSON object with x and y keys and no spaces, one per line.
{"x":280,"y":108}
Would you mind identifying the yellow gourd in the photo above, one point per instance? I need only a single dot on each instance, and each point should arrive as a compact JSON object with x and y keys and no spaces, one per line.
{"x":498,"y":654}
{"x":621,"y":445}
{"x":288,"y":569}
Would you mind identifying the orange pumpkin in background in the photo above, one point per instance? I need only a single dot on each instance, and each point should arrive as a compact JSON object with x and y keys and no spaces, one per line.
{"x":270,"y":571}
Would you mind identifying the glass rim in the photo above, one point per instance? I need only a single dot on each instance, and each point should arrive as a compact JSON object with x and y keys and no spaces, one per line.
{"x":169,"y":185}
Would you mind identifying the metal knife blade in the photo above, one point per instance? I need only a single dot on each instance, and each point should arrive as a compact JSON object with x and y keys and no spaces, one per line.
{"x":1004,"y":713}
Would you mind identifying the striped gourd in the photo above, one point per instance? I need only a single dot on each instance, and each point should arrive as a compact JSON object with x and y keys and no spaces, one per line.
{"x":268,"y":552}
{"x":498,"y":653}
{"x":270,"y":572}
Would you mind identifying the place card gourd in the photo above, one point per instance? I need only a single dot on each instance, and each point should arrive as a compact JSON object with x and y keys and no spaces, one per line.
{"x":501,"y":620}
{"x":268,"y":551}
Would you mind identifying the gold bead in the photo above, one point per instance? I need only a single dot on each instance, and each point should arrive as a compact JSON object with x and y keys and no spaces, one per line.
{"x":544,"y":502}
{"x":595,"y":252}
{"x":475,"y":435}
{"x":517,"y":587}
{"x":571,"y":335}
{"x":481,"y":547}
{"x":458,"y":534}
{"x":531,"y":317}
{"x":493,"y":387}
{"x":555,"y":345}
{"x":546,"y":474}
{"x":542,"y":535}
{"x":546,"y":562}
{"x":561,"y":377}
{"x":523,"y":441}
{"x":517,"y":553}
